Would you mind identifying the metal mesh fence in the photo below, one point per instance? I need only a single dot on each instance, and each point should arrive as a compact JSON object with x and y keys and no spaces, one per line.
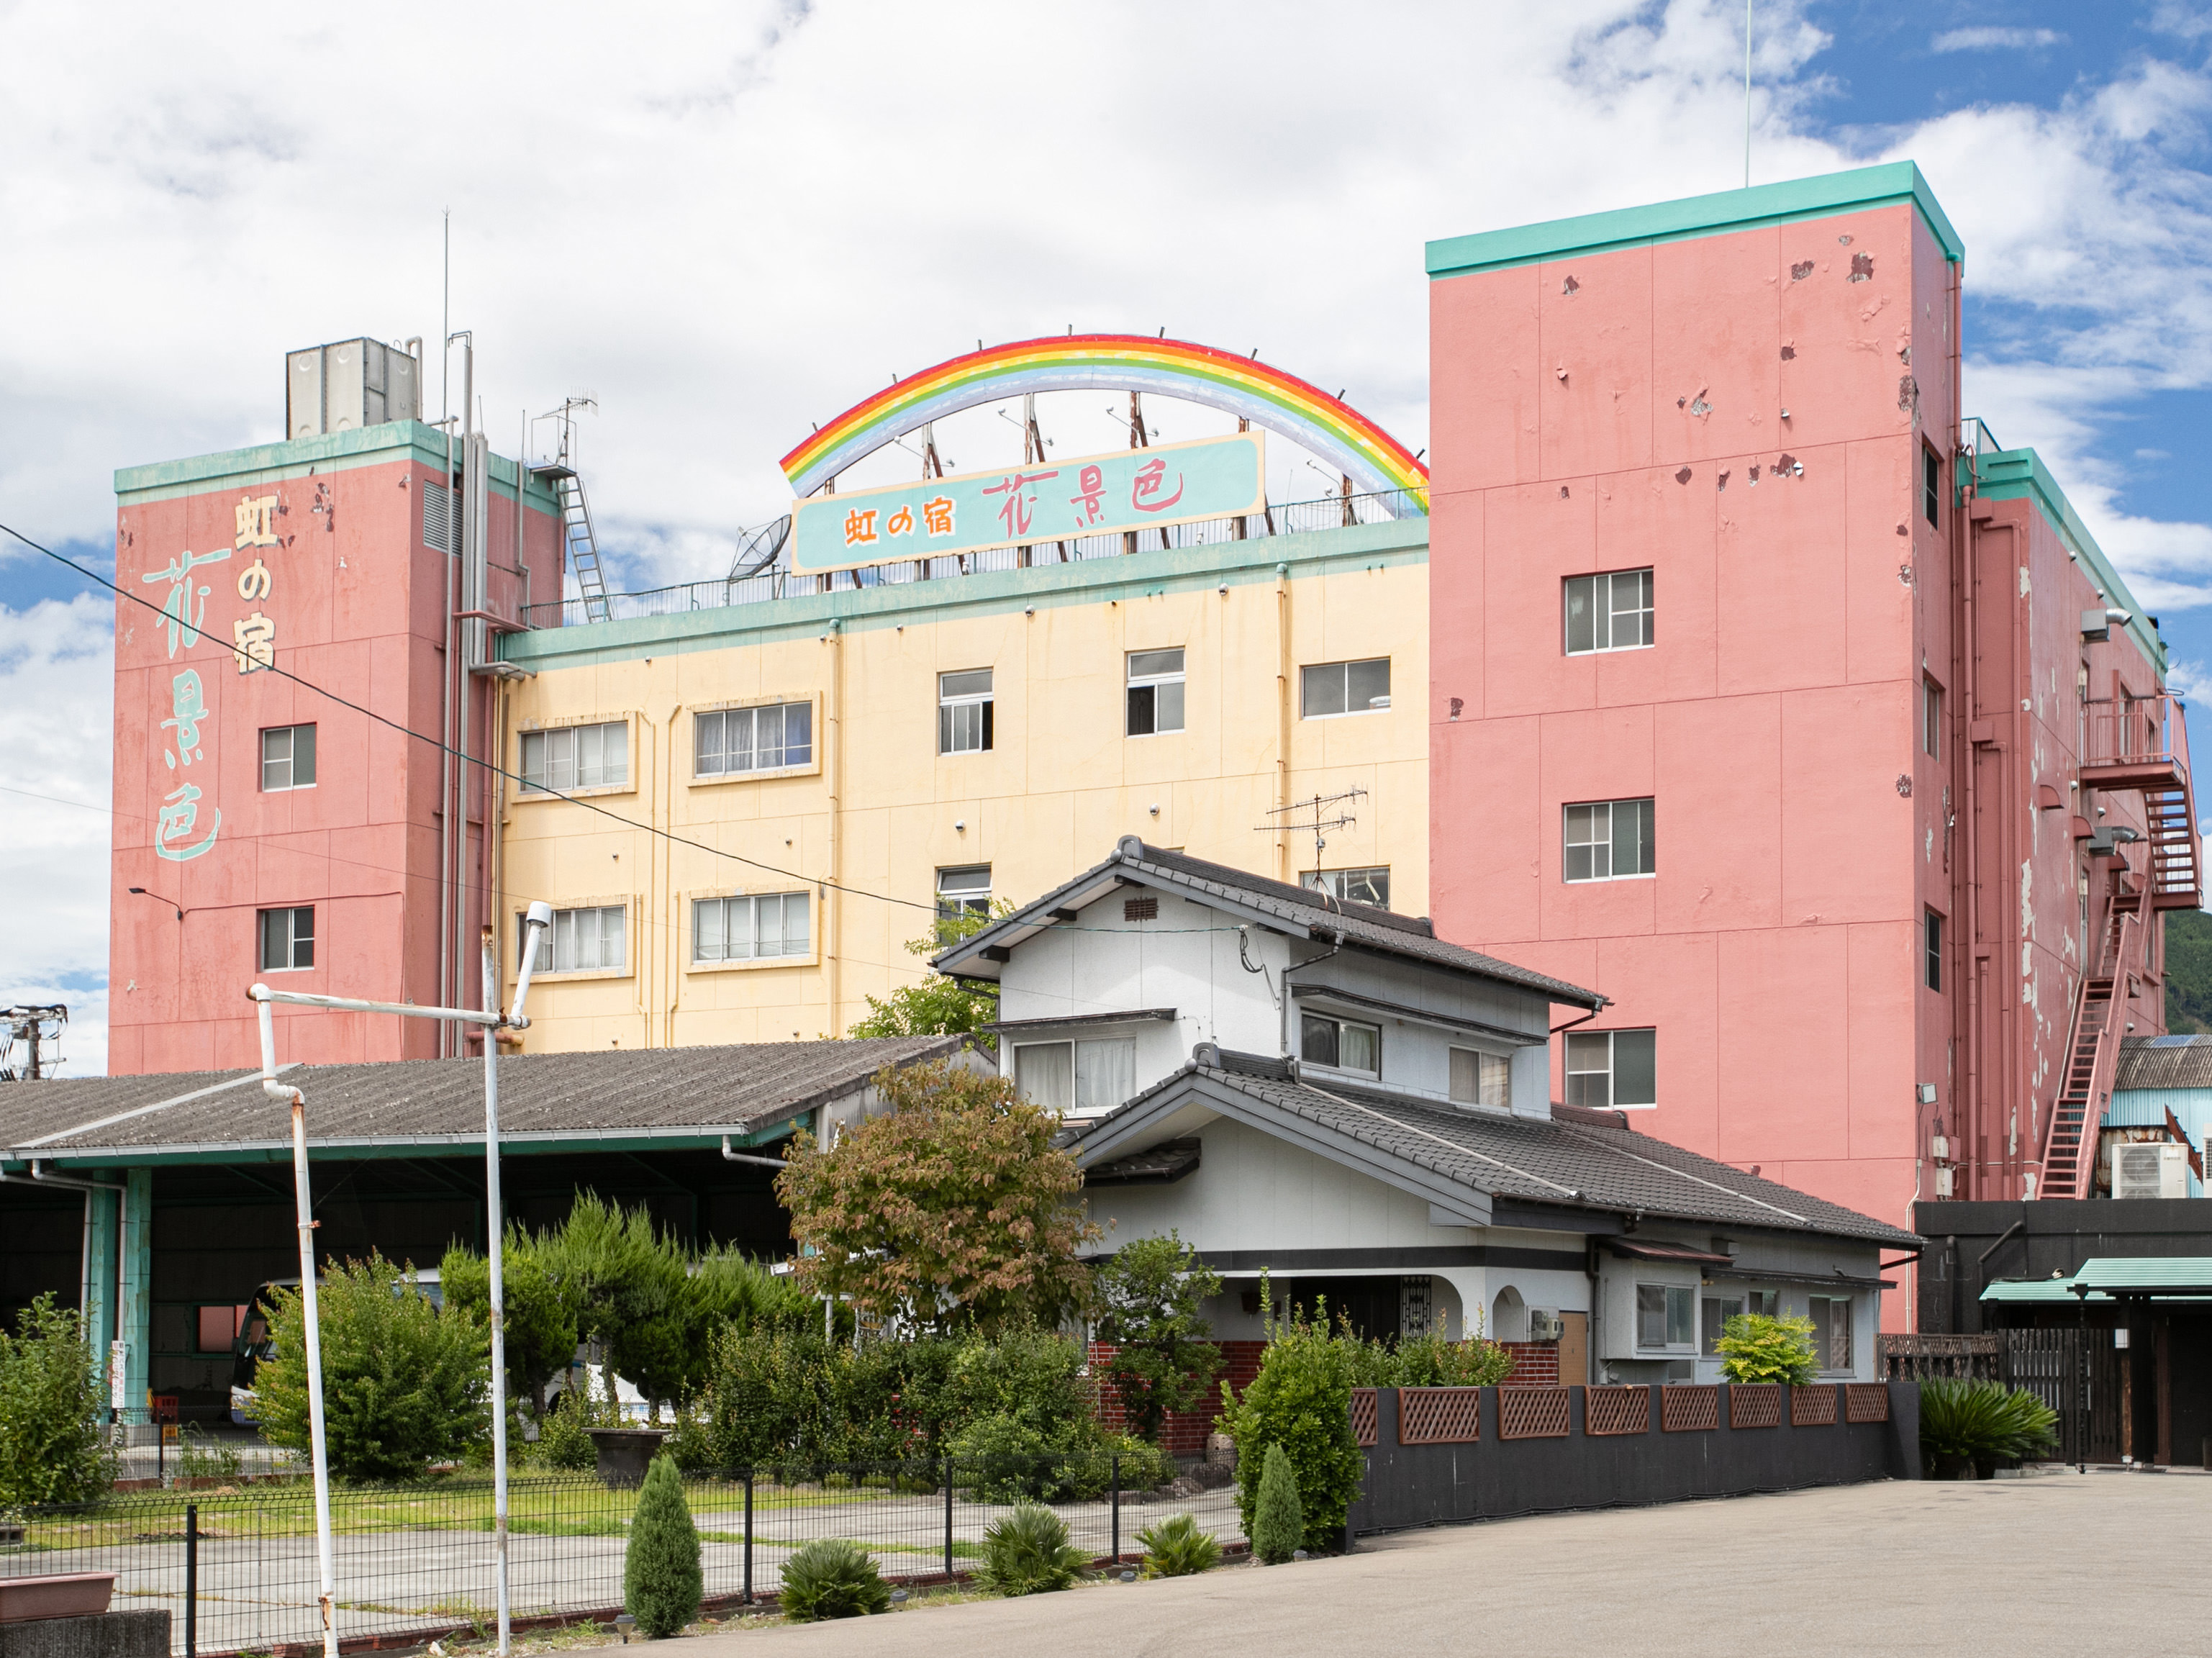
{"x":1281,"y":518}
{"x":235,"y":1566}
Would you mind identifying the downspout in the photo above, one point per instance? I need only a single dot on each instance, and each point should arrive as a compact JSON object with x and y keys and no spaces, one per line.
{"x":1593,"y":1366}
{"x":729,"y":1156}
{"x":1315,"y":961}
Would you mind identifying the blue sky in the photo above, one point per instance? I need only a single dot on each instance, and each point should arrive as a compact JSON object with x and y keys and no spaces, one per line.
{"x":765,"y":207}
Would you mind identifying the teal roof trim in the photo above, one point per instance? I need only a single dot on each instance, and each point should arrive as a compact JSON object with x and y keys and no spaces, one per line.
{"x":334,"y":451}
{"x":1085,"y":581}
{"x":2106,"y":1277}
{"x":2044,"y":1291}
{"x":2020,"y":474}
{"x":1787,"y":202}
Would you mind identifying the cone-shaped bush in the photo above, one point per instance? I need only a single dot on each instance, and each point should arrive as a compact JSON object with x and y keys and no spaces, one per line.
{"x":1278,"y":1523}
{"x":661,"y":1568}
{"x":832,"y":1578}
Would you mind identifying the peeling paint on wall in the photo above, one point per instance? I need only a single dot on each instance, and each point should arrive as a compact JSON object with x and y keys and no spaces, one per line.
{"x":1682,"y":476}
{"x":1862,"y":268}
{"x":1800,"y":270}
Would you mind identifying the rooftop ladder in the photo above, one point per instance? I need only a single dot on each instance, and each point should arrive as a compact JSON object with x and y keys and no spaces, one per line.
{"x":581,"y":545}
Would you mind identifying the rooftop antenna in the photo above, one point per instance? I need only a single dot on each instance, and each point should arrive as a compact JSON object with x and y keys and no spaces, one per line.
{"x":1321,"y":806}
{"x":1746,"y":94}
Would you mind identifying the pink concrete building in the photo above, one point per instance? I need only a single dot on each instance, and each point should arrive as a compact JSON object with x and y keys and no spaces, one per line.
{"x":261,"y":828}
{"x":1775,"y":702}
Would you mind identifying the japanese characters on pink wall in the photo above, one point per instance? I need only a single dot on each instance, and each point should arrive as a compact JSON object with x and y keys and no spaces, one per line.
{"x":190,"y":818}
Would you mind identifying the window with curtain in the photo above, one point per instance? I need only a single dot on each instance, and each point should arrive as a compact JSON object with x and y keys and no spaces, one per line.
{"x":1083,"y":1077}
{"x":727,"y":742}
{"x":754,"y":927}
{"x":576,"y":757}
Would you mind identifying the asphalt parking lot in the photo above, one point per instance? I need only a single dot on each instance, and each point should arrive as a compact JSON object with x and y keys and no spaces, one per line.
{"x":2083,"y":1565}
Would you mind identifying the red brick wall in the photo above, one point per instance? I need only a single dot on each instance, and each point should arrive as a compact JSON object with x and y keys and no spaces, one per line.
{"x":1535,"y":1363}
{"x":1186,"y":1430}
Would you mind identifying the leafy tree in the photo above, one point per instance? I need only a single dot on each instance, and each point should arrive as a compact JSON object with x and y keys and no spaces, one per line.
{"x":661,"y":1578}
{"x":937,"y":1006}
{"x":1149,"y":1296}
{"x":543,"y":1304}
{"x":1302,"y":1401}
{"x":953,"y":1208}
{"x":2188,"y":971}
{"x":403,"y":1384}
{"x":1754,"y":1348}
{"x":50,"y":1448}
{"x":1278,"y":1524}
{"x":634,"y":1293}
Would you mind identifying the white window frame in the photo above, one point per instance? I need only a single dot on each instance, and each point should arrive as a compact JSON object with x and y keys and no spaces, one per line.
{"x":1342,"y":1024}
{"x":1673,"y":1295}
{"x":1825,"y":1334}
{"x":958,"y":896}
{"x":1582,"y":1044}
{"x":1351,"y":886}
{"x":565,"y":931}
{"x":543,"y":756}
{"x":293,"y":941}
{"x":1603,"y":591}
{"x":1164,"y":686}
{"x":726,"y":951}
{"x":290,"y":762}
{"x":1077,"y":1050}
{"x":1490,"y":1076}
{"x":722,"y":721}
{"x":965,"y":718}
{"x":1597,"y":827}
{"x":1306,"y":682}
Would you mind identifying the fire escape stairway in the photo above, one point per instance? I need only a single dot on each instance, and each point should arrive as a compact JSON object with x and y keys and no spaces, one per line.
{"x":2093,"y":1057}
{"x":2177,"y":873}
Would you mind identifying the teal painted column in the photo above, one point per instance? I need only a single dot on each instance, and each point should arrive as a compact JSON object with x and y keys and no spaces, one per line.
{"x":100,"y":1283}
{"x":137,"y":1299}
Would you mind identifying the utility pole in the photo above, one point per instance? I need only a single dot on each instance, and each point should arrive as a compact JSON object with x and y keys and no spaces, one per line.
{"x":27,"y":1024}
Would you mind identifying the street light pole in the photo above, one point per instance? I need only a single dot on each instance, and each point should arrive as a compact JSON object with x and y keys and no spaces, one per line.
{"x":491,"y":1020}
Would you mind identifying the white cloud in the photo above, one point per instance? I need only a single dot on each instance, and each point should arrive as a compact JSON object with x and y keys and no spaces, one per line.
{"x":1995,"y":40}
{"x":56,"y":672}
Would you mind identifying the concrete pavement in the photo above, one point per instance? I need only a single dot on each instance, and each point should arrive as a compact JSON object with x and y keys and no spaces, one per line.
{"x":2083,"y":1565}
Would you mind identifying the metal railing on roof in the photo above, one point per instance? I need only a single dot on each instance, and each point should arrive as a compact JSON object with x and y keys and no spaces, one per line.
{"x":1280,"y":518}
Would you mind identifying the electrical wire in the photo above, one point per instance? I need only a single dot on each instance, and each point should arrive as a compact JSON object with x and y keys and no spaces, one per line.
{"x":669,"y":835}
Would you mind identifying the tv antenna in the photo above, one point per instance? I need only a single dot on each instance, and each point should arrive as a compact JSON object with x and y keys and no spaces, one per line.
{"x":1328,"y":812}
{"x":26,"y":1026}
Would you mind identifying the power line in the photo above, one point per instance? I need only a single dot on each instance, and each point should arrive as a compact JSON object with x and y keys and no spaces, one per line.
{"x":668,"y":835}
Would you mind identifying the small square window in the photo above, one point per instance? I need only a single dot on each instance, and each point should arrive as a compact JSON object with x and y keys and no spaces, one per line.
{"x":1666,"y":1315}
{"x":287,"y":758}
{"x":963,"y":891}
{"x":1611,"y":1068}
{"x":288,"y":938}
{"x":1609,"y":840}
{"x":1479,"y":1078}
{"x":1608,"y":612}
{"x":964,"y":712}
{"x":1342,"y":1044}
{"x":1154,"y":693}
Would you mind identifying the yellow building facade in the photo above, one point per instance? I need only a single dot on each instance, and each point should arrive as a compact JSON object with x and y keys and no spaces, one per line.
{"x":828,"y":770}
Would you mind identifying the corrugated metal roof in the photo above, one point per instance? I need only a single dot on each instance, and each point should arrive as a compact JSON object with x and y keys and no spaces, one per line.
{"x":2103,"y":1277}
{"x":1574,"y":1164}
{"x":680,"y":1093}
{"x":2164,"y":1062}
{"x":1361,"y":926}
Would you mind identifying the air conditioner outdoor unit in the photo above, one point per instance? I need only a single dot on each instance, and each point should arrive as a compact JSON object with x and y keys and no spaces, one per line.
{"x":1544,"y":1324}
{"x":2150,"y":1170}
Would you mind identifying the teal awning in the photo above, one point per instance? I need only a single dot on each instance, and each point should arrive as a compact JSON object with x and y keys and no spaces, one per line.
{"x":2165,"y":1278}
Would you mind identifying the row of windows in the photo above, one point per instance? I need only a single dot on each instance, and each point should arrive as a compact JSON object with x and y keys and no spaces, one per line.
{"x":1153,"y":697}
{"x":1667,"y":1319}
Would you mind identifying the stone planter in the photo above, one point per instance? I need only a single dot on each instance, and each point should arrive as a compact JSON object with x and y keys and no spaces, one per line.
{"x":625,"y":1453}
{"x":66,"y":1595}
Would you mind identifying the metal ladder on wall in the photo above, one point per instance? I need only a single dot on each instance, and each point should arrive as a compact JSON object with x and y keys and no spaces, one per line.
{"x":577,"y":539}
{"x":2093,"y":1054}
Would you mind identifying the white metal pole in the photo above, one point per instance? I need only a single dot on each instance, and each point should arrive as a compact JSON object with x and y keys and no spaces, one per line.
{"x":497,"y":1223}
{"x":310,"y":1318}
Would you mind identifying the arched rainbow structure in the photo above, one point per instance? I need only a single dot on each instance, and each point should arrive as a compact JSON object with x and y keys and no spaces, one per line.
{"x":1375,"y":462}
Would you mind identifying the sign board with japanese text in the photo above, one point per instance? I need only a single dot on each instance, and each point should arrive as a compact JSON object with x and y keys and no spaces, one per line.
{"x":1043,"y":502}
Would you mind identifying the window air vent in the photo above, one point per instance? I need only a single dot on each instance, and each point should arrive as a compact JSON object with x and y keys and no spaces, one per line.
{"x":1140,"y":910}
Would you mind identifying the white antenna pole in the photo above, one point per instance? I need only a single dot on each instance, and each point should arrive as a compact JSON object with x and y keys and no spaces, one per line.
{"x":1746,"y":94}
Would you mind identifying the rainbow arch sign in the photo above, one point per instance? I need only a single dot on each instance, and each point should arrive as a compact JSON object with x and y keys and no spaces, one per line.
{"x":1375,"y":462}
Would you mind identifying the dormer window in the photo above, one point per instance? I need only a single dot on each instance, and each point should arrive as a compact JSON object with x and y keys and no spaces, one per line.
{"x":1340,"y":1044}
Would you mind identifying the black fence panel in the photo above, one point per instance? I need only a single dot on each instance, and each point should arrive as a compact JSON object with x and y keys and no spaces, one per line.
{"x":1491,"y":1478}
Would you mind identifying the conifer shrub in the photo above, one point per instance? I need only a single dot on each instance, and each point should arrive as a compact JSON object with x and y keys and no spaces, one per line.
{"x":1027,"y":1552}
{"x":1180,"y":1547}
{"x":661,"y":1580}
{"x":832,"y":1578}
{"x":1278,"y":1523}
